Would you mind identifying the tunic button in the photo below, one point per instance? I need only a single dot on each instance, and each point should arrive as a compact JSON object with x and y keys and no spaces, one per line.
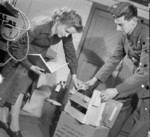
{"x":143,"y":86}
{"x":140,"y":64}
{"x":145,"y":108}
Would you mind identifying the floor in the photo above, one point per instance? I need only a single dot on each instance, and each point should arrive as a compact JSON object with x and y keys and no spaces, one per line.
{"x":32,"y":126}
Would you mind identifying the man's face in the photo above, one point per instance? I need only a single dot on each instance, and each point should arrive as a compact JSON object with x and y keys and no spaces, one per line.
{"x":125,"y":26}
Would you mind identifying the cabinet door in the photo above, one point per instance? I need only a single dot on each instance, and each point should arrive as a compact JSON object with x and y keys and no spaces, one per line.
{"x":99,"y":44}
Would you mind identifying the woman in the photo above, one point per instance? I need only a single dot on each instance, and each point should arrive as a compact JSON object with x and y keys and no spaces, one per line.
{"x":19,"y":76}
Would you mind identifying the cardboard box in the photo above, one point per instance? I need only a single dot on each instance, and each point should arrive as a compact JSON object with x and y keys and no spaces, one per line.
{"x":87,"y":117}
{"x":92,"y":111}
{"x":70,"y":127}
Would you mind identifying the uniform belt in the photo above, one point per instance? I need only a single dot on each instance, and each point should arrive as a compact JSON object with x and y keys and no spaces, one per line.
{"x":140,"y":101}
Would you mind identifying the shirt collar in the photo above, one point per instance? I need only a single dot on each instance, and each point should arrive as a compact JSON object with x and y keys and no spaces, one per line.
{"x":135,"y":31}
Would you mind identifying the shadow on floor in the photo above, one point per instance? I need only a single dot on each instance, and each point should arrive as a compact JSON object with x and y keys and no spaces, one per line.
{"x":31,"y":127}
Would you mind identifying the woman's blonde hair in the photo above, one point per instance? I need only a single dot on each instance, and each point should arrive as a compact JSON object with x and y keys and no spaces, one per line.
{"x":69,"y":17}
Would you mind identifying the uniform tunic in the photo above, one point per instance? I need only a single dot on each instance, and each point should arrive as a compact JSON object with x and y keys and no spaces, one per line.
{"x":18,"y":78}
{"x":133,"y":51}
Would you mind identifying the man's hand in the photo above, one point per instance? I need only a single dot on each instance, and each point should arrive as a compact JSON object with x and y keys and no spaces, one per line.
{"x":108,"y":94}
{"x":37,"y":69}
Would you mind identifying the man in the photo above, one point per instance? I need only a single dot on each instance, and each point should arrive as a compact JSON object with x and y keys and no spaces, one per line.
{"x":132,"y":53}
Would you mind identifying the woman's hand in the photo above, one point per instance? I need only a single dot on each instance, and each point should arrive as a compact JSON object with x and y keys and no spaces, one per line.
{"x":77,"y":83}
{"x":37,"y":69}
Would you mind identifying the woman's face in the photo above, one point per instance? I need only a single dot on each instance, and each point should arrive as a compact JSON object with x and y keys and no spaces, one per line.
{"x":63,"y":30}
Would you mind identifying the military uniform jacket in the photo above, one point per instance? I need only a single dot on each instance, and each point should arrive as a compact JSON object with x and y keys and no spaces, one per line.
{"x":136,"y":48}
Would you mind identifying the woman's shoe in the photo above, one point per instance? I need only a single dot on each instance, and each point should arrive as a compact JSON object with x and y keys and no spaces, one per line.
{"x":3,"y":125}
{"x":14,"y":133}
